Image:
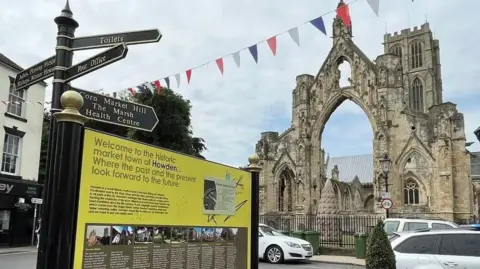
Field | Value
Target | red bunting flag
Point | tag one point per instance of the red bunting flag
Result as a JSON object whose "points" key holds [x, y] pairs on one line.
{"points": [[132, 91], [219, 62], [272, 43], [189, 75], [158, 85], [344, 13]]}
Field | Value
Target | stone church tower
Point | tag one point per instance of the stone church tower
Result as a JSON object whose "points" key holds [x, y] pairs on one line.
{"points": [[401, 94]]}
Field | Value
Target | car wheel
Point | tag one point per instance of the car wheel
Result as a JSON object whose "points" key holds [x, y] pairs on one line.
{"points": [[274, 254]]}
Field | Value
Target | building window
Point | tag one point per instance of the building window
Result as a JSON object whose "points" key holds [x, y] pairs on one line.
{"points": [[15, 101], [411, 193], [416, 54], [397, 50], [416, 95], [11, 154]]}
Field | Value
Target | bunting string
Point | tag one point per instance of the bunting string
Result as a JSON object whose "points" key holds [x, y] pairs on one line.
{"points": [[342, 11]]}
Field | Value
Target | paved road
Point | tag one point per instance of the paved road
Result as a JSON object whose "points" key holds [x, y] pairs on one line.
{"points": [[28, 261]]}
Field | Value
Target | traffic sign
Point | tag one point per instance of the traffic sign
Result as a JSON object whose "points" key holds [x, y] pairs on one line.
{"points": [[96, 62], [110, 40], [111, 110], [387, 203], [37, 201], [35, 74]]}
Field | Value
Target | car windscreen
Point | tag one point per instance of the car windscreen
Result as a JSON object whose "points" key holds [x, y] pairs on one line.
{"points": [[270, 231]]}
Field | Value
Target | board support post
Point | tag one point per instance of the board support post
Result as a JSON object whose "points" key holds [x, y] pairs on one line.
{"points": [[60, 249], [254, 168]]}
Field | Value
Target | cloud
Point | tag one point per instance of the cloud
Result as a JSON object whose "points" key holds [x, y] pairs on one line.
{"points": [[231, 111]]}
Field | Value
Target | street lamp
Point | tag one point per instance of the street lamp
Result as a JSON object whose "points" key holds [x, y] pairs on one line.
{"points": [[386, 165]]}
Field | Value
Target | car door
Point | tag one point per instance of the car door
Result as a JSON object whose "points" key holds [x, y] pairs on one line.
{"points": [[261, 245], [416, 251], [460, 251]]}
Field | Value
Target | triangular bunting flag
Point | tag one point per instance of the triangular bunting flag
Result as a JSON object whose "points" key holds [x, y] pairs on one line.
{"points": [[167, 81], [189, 75], [158, 85], [272, 43], [132, 91], [254, 52], [142, 88], [343, 13], [150, 87], [177, 78], [318, 23], [236, 58], [219, 62], [295, 35], [375, 5]]}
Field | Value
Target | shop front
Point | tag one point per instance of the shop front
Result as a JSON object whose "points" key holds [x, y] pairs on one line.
{"points": [[17, 211]]}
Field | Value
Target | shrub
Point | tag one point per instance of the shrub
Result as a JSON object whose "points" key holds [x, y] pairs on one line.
{"points": [[379, 251]]}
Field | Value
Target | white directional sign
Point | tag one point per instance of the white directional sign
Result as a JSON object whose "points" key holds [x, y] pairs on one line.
{"points": [[37, 201]]}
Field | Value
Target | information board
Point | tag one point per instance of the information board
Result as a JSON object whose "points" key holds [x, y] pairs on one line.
{"points": [[145, 207]]}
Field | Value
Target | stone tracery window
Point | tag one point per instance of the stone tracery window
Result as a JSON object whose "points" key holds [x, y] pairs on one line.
{"points": [[411, 192], [346, 200], [416, 95], [285, 191], [397, 50], [416, 55]]}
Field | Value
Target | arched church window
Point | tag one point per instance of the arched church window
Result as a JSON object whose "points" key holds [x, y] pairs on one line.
{"points": [[397, 50], [416, 95], [416, 54], [285, 191], [347, 200], [411, 193]]}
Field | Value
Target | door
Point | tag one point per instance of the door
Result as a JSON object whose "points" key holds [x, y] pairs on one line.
{"points": [[415, 251], [460, 251], [261, 245], [4, 227]]}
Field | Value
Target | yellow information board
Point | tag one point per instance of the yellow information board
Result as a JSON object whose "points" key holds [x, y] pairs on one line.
{"points": [[146, 207]]}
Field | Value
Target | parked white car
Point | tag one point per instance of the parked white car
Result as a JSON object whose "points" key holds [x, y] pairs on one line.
{"points": [[437, 249], [392, 225], [276, 247]]}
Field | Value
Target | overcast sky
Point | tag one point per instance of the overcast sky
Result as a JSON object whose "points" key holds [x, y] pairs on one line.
{"points": [[231, 111]]}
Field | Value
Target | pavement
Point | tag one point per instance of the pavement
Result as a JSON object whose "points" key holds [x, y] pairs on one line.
{"points": [[26, 258]]}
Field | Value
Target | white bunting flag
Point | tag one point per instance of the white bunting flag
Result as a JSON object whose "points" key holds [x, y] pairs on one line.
{"points": [[177, 78], [295, 35], [374, 5], [236, 58]]}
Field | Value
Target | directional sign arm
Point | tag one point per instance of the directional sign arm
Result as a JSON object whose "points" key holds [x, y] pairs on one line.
{"points": [[110, 40], [35, 74], [96, 62], [115, 111]]}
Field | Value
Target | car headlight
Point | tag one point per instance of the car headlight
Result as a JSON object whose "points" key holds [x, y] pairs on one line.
{"points": [[292, 245]]}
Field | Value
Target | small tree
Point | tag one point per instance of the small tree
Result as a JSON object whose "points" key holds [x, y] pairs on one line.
{"points": [[379, 251]]}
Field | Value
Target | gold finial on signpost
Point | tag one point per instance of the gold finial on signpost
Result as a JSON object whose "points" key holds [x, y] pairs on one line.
{"points": [[71, 102], [253, 163]]}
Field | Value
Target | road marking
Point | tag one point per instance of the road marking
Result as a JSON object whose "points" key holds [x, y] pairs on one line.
{"points": [[17, 253]]}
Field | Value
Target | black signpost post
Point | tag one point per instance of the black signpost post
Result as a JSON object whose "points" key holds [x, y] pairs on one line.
{"points": [[110, 110], [254, 169], [57, 236]]}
